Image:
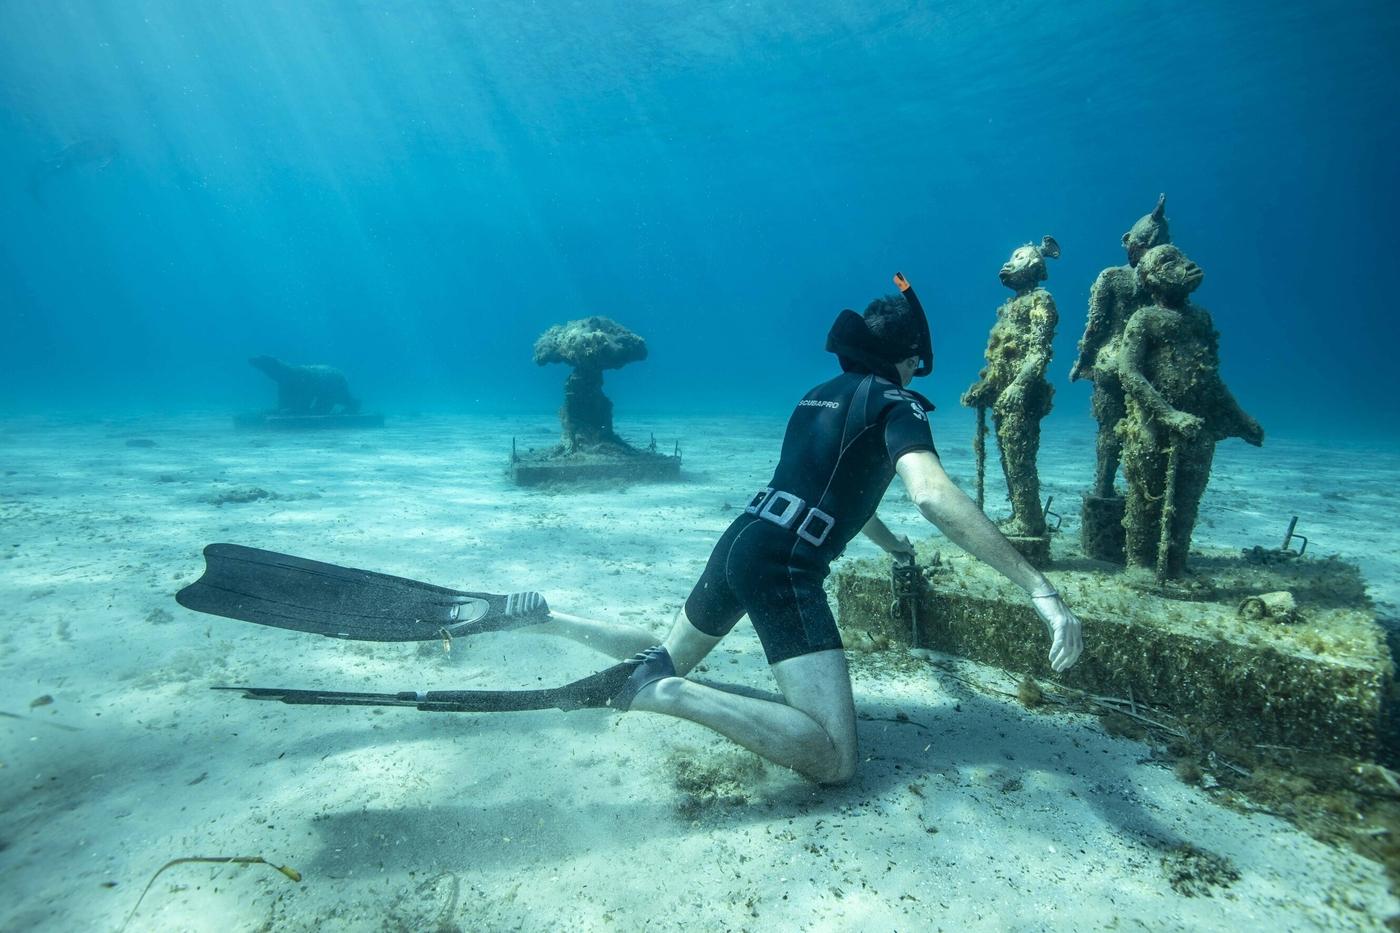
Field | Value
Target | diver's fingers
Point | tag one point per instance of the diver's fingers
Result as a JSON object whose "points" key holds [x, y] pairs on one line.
{"points": [[1073, 645], [1078, 642]]}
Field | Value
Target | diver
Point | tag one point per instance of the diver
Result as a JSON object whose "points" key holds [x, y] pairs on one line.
{"points": [[845, 441]]}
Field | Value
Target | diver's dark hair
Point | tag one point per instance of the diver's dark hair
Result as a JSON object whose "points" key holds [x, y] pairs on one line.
{"points": [[896, 329]]}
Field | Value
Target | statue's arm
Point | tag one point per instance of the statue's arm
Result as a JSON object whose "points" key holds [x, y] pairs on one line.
{"points": [[1142, 329], [1040, 338], [977, 394], [1236, 421], [1096, 328]]}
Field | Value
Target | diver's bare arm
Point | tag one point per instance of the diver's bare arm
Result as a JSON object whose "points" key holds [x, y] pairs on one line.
{"points": [[944, 504], [957, 516], [886, 540]]}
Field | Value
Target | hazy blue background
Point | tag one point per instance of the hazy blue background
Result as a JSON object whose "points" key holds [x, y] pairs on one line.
{"points": [[414, 190]]}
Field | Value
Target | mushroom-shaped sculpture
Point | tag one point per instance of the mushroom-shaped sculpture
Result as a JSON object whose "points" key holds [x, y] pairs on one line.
{"points": [[590, 345]]}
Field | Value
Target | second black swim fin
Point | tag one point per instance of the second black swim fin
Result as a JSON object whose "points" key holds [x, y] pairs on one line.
{"points": [[283, 591], [606, 688]]}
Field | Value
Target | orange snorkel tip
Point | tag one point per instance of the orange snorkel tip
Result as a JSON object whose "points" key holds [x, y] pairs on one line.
{"points": [[926, 343]]}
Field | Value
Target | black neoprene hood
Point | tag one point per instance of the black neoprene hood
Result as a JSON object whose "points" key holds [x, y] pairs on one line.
{"points": [[860, 350]]}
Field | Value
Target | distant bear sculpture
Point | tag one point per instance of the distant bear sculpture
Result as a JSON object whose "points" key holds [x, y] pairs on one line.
{"points": [[1177, 408], [1013, 382], [590, 345], [1115, 295], [307, 390]]}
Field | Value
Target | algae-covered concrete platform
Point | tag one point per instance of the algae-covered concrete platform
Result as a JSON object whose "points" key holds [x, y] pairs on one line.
{"points": [[553, 467], [1319, 682]]}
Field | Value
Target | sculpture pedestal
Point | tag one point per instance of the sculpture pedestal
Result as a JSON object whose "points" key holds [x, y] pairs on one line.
{"points": [[609, 462], [1320, 682], [1036, 550], [1101, 528]]}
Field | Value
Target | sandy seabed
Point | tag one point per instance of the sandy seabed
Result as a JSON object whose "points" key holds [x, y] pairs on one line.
{"points": [[974, 814]]}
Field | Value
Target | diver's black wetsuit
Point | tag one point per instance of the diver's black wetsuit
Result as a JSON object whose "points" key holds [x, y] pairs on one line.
{"points": [[838, 458]]}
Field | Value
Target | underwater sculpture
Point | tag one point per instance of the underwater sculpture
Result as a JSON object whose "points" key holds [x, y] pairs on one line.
{"points": [[1013, 383], [590, 345], [1113, 298], [307, 390], [1115, 295], [1177, 407], [590, 448]]}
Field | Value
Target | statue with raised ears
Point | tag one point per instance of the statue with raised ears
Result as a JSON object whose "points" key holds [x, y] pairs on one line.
{"points": [[1177, 407], [1114, 297], [1014, 387]]}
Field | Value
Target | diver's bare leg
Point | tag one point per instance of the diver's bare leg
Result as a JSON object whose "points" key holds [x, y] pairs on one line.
{"points": [[615, 639], [686, 643], [814, 733]]}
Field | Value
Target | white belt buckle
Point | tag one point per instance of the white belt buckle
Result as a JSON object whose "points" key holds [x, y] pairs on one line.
{"points": [[817, 539], [757, 501], [792, 507]]}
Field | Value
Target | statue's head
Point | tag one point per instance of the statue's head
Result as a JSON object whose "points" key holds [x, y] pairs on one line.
{"points": [[1149, 231], [1026, 267], [1168, 275]]}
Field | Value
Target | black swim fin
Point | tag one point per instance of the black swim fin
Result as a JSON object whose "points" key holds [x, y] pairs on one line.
{"points": [[604, 689], [268, 588]]}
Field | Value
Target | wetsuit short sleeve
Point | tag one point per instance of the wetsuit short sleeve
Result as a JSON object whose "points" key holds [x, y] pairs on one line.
{"points": [[906, 429]]}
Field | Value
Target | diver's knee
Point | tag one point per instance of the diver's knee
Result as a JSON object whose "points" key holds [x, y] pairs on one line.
{"points": [[844, 774], [839, 770], [838, 764]]}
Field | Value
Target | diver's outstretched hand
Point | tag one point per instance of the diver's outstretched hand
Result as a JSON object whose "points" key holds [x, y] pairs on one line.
{"points": [[903, 550], [1066, 639]]}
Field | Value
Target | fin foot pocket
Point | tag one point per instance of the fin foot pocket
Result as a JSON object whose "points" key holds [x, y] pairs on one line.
{"points": [[652, 665], [526, 604]]}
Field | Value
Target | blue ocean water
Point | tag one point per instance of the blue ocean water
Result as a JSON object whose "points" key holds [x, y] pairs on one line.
{"points": [[413, 191]]}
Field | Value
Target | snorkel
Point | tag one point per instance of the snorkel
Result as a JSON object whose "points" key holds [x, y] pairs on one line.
{"points": [[917, 309]]}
